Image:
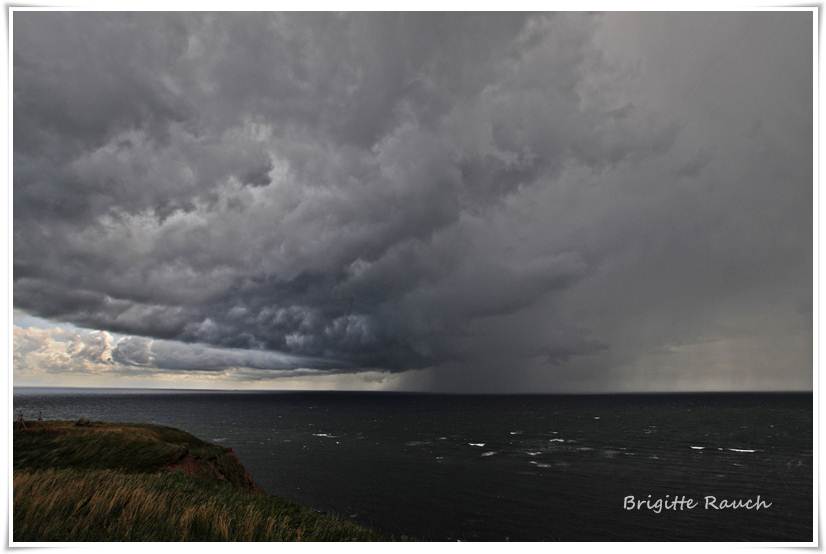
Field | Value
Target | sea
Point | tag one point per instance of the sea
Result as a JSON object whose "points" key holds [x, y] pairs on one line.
{"points": [[502, 467]]}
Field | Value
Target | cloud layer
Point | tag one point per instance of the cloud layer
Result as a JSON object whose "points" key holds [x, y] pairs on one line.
{"points": [[512, 200], [45, 353]]}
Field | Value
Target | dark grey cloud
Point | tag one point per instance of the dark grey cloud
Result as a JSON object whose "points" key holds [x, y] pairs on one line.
{"points": [[174, 356], [520, 199]]}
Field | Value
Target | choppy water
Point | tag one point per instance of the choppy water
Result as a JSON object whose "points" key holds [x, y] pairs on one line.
{"points": [[500, 467]]}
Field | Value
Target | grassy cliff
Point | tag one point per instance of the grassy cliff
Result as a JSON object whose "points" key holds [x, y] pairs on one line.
{"points": [[84, 481]]}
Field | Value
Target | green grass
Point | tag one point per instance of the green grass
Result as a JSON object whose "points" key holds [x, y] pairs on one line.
{"points": [[130, 482], [128, 447]]}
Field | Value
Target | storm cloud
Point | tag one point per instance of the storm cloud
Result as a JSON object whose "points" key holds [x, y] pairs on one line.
{"points": [[509, 201]]}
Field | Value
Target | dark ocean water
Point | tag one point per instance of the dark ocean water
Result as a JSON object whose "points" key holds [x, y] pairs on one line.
{"points": [[500, 467]]}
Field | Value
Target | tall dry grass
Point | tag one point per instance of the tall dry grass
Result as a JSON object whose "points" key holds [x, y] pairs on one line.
{"points": [[102, 505]]}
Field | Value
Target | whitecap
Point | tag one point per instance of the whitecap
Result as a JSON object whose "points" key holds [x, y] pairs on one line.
{"points": [[515, 433], [596, 417], [741, 450], [556, 440], [479, 444], [533, 453], [698, 447], [325, 435], [537, 464], [486, 454]]}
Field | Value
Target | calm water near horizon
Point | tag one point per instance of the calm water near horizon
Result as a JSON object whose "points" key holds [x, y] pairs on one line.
{"points": [[522, 467]]}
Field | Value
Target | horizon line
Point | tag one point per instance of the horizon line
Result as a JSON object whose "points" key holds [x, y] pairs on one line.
{"points": [[441, 393]]}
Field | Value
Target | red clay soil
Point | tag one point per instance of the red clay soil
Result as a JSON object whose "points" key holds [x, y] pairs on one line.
{"points": [[230, 469]]}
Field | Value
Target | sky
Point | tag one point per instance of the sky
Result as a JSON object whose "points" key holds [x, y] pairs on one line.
{"points": [[559, 202]]}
